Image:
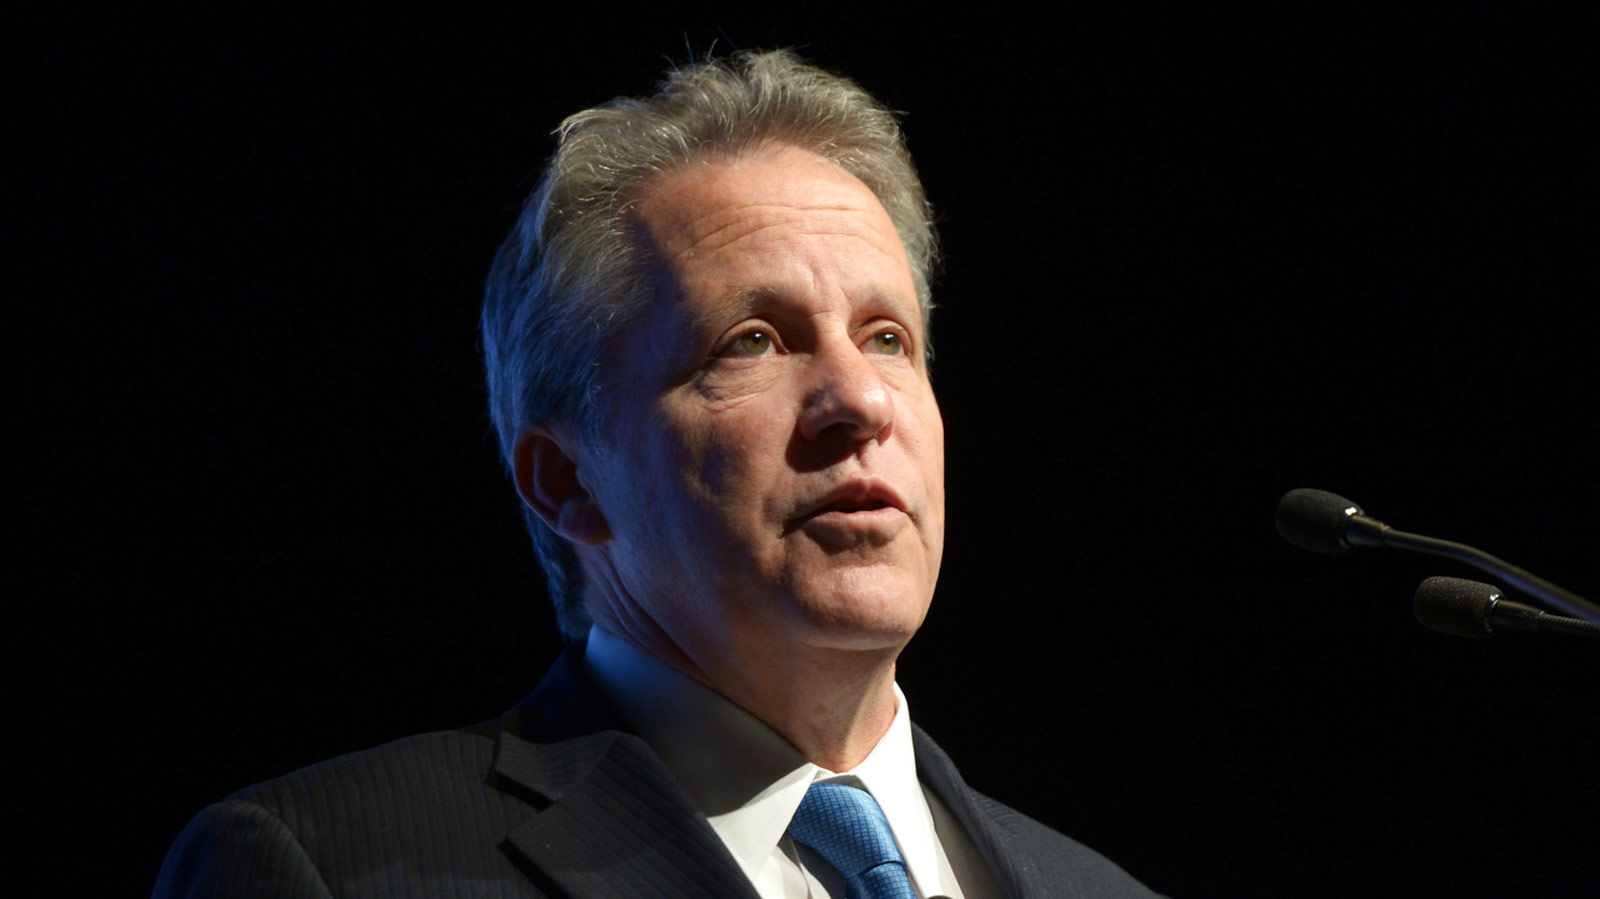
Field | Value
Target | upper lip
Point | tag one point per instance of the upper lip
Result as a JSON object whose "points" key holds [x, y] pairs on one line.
{"points": [[853, 495]]}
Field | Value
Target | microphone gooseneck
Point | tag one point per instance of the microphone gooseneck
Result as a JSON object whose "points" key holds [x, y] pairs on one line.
{"points": [[1328, 523]]}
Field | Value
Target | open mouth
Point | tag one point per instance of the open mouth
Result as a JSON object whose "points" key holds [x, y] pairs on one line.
{"points": [[863, 497], [854, 506]]}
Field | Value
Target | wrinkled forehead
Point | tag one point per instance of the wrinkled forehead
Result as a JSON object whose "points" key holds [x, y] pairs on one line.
{"points": [[732, 236], [703, 205]]}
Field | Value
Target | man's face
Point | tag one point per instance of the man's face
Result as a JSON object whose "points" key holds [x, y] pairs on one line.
{"points": [[773, 475]]}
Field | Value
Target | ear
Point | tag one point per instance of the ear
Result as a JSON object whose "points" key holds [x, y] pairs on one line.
{"points": [[544, 464]]}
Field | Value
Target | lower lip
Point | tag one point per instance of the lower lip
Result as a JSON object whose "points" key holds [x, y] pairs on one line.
{"points": [[866, 523]]}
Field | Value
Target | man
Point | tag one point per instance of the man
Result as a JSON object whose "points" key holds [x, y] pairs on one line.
{"points": [[706, 343]]}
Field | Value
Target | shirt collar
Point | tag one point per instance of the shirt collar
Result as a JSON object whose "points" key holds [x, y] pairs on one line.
{"points": [[745, 777], [889, 773]]}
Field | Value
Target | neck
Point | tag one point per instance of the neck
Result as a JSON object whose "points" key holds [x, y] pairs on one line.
{"points": [[833, 705]]}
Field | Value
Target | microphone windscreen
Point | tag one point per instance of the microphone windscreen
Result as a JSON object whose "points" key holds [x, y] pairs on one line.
{"points": [[1455, 606], [1315, 519]]}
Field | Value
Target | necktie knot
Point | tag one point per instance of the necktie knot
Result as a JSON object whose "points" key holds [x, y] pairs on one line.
{"points": [[846, 827]]}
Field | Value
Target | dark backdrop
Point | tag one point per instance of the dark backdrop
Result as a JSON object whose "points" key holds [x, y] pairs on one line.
{"points": [[1194, 260]]}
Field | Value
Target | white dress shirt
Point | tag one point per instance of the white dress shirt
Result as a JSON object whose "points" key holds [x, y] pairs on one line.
{"points": [[748, 780]]}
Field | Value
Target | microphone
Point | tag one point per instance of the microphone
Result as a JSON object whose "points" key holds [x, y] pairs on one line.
{"points": [[1328, 523], [1465, 608], [1324, 522]]}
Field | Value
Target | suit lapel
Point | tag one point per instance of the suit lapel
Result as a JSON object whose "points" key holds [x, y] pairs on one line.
{"points": [[1019, 877], [613, 821]]}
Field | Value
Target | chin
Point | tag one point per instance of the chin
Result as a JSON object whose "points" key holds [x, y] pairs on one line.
{"points": [[864, 609]]}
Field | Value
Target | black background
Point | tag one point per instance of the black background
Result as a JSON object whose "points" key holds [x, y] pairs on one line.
{"points": [[1194, 260]]}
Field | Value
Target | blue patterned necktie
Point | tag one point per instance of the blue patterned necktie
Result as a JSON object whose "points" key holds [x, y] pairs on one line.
{"points": [[845, 826]]}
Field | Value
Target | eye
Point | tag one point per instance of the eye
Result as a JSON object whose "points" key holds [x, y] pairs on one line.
{"points": [[755, 343], [887, 342]]}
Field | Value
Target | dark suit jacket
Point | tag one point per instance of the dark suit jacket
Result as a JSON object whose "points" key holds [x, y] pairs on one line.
{"points": [[555, 799]]}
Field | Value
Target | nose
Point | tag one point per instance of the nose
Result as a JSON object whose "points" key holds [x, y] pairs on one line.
{"points": [[846, 397]]}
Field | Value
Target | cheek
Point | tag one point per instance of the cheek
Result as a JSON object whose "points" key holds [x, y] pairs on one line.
{"points": [[714, 471], [925, 438], [725, 460], [927, 448]]}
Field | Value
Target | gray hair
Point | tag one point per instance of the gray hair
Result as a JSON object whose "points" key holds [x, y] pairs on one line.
{"points": [[570, 275]]}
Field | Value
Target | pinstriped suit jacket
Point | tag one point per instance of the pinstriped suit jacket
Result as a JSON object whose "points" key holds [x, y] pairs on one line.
{"points": [[554, 799]]}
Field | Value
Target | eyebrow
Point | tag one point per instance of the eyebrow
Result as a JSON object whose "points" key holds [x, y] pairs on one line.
{"points": [[748, 299]]}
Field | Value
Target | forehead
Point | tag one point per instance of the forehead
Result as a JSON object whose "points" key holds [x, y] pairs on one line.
{"points": [[739, 204], [777, 233]]}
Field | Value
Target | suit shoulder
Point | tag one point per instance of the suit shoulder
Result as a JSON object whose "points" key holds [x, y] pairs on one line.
{"points": [[383, 821], [238, 848], [1047, 853], [426, 769]]}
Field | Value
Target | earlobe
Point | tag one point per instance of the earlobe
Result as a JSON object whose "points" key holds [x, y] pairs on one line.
{"points": [[544, 464]]}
